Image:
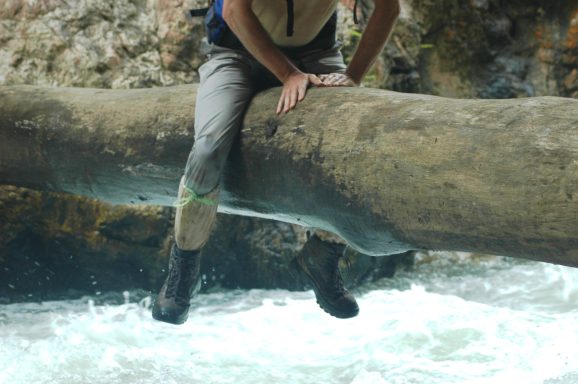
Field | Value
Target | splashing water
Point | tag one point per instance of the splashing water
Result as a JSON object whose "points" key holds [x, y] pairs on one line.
{"points": [[498, 322]]}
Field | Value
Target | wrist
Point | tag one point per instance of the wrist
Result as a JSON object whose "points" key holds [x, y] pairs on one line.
{"points": [[355, 79], [288, 73]]}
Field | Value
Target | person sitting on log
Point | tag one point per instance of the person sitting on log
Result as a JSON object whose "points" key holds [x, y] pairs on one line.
{"points": [[252, 45]]}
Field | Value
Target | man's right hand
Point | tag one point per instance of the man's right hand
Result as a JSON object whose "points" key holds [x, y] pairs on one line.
{"points": [[294, 90], [243, 22]]}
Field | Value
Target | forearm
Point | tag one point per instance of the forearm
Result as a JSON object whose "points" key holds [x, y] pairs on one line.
{"points": [[374, 38], [243, 22]]}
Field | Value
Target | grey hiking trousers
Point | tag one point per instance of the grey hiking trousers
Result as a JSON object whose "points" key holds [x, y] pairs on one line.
{"points": [[229, 79]]}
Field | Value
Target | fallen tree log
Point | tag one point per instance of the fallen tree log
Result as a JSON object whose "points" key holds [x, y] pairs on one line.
{"points": [[386, 171]]}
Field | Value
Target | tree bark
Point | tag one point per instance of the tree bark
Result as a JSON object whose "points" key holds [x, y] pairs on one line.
{"points": [[386, 171]]}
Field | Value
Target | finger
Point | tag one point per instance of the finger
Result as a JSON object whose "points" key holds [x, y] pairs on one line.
{"points": [[301, 94], [333, 75], [332, 80], [342, 81], [286, 103], [315, 80], [293, 98], [325, 80], [280, 103]]}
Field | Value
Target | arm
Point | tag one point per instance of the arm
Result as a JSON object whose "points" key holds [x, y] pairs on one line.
{"points": [[374, 38], [240, 18], [372, 41]]}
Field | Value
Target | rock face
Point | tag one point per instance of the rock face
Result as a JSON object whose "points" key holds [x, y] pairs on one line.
{"points": [[103, 44], [475, 48], [482, 49], [56, 245], [52, 244], [528, 50]]}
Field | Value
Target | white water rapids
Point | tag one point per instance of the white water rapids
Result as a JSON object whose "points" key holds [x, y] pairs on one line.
{"points": [[499, 321]]}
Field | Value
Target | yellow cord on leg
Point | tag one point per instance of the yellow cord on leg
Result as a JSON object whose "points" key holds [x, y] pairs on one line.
{"points": [[192, 196], [194, 217]]}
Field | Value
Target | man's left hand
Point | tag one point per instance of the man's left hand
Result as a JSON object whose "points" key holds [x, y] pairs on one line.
{"points": [[337, 80]]}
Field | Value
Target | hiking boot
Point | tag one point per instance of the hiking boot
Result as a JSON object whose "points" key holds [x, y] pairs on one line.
{"points": [[183, 282], [318, 265]]}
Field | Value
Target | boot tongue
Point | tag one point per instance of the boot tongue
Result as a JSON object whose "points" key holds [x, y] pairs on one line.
{"points": [[181, 273]]}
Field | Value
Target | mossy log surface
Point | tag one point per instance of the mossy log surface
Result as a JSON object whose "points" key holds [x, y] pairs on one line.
{"points": [[386, 171]]}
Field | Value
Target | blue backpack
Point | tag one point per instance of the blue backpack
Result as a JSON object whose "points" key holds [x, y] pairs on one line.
{"points": [[216, 28]]}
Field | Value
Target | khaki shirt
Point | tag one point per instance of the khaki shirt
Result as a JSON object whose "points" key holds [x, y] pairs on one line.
{"points": [[309, 17]]}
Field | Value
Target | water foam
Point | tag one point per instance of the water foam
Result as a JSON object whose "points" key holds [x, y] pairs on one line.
{"points": [[502, 324]]}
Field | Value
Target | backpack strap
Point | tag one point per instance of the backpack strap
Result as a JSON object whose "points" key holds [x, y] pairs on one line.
{"points": [[355, 20], [198, 12]]}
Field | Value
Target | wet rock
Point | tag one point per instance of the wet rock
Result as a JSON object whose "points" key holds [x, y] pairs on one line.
{"points": [[506, 77], [51, 243], [499, 31], [56, 246], [477, 49], [483, 5], [571, 81]]}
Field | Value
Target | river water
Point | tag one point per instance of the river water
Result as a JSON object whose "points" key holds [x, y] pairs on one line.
{"points": [[449, 321]]}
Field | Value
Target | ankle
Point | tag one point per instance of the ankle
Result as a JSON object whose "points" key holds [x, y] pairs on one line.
{"points": [[184, 253]]}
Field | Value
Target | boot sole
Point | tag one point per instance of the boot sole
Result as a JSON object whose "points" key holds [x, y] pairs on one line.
{"points": [[299, 273], [167, 317]]}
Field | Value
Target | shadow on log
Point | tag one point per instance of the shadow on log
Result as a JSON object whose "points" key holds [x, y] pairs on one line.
{"points": [[386, 171]]}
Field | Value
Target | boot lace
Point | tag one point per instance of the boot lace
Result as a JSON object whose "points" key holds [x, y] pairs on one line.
{"points": [[180, 279], [332, 265]]}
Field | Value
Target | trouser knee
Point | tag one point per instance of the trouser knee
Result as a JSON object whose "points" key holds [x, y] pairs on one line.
{"points": [[204, 165]]}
